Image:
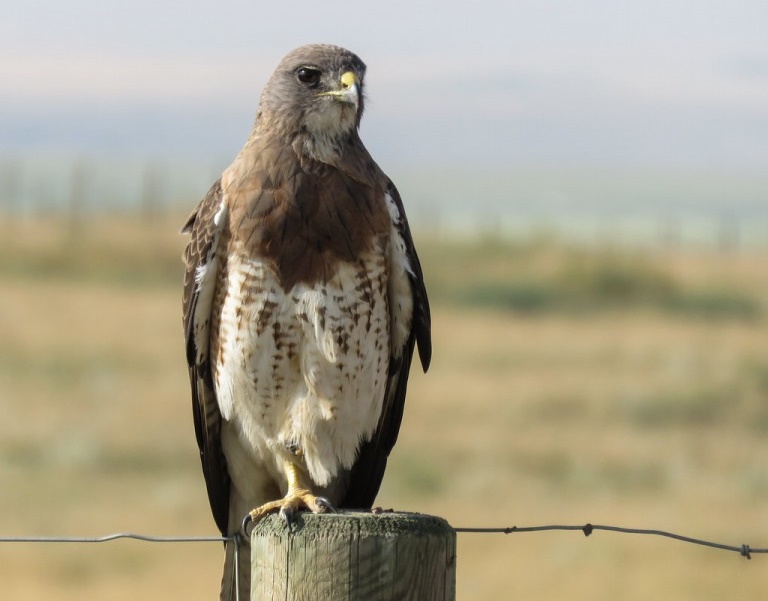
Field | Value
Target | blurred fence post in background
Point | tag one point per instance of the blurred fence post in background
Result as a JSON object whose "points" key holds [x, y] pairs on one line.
{"points": [[354, 556], [729, 234], [10, 188], [78, 197], [670, 234], [153, 192]]}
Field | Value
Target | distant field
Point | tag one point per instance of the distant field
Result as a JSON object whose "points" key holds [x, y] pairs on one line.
{"points": [[569, 385]]}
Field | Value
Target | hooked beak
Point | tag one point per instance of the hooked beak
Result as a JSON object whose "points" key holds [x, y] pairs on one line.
{"points": [[349, 89]]}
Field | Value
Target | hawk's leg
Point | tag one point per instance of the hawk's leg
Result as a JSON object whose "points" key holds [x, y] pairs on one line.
{"points": [[298, 497]]}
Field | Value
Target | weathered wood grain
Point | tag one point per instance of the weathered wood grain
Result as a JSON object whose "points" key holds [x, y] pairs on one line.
{"points": [[354, 556]]}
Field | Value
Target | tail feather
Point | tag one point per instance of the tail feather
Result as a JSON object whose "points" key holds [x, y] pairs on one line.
{"points": [[236, 583]]}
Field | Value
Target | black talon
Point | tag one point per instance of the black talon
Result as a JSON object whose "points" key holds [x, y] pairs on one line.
{"points": [[288, 514], [247, 521], [325, 504]]}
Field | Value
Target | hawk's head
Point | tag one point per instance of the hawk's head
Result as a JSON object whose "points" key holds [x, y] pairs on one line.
{"points": [[314, 99]]}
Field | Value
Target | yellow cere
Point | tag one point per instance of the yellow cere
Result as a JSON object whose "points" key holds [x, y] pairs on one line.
{"points": [[348, 79]]}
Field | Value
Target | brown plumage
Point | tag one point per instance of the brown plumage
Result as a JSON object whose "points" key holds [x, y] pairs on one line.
{"points": [[303, 303]]}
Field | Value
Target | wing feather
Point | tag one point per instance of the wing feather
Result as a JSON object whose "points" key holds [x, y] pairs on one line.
{"points": [[368, 471], [204, 226]]}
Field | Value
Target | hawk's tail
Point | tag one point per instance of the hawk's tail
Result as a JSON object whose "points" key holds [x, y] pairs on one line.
{"points": [[236, 584]]}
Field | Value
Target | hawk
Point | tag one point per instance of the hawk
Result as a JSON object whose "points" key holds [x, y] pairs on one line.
{"points": [[303, 303]]}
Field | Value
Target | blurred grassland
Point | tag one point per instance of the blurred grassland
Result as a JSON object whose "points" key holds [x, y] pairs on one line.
{"points": [[569, 384]]}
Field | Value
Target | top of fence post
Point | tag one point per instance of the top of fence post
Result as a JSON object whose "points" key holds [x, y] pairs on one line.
{"points": [[354, 556]]}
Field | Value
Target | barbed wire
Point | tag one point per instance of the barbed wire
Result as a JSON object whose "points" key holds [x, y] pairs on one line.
{"points": [[117, 535], [587, 529]]}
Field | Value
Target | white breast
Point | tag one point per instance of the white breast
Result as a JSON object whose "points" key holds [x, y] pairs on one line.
{"points": [[306, 367]]}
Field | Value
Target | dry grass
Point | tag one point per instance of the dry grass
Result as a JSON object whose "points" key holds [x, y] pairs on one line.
{"points": [[630, 415]]}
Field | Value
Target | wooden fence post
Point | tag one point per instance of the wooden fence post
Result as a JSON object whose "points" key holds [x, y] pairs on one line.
{"points": [[354, 556]]}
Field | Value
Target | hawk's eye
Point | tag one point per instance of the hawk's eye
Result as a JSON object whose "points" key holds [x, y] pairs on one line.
{"points": [[308, 76]]}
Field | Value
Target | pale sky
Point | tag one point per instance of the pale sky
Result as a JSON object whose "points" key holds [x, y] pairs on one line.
{"points": [[594, 82]]}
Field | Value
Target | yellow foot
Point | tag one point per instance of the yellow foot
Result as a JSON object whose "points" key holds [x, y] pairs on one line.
{"points": [[299, 497], [292, 503]]}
